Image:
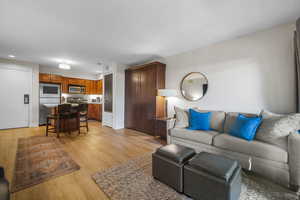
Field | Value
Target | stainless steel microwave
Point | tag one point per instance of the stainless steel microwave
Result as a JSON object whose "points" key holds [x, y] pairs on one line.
{"points": [[76, 89], [49, 90]]}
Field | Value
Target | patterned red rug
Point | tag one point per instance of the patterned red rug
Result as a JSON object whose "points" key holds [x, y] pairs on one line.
{"points": [[39, 159]]}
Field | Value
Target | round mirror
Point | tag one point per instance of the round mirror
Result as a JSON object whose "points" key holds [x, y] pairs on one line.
{"points": [[194, 86]]}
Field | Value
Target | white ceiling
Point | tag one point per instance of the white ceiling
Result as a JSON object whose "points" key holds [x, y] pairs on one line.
{"points": [[128, 31]]}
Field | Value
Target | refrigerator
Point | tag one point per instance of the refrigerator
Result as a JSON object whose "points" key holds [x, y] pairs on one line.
{"points": [[50, 96]]}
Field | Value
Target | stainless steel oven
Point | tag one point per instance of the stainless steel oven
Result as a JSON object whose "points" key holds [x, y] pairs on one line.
{"points": [[49, 90], [76, 89]]}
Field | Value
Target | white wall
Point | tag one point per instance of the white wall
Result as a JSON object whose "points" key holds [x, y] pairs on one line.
{"points": [[244, 74], [34, 96], [115, 119], [119, 96]]}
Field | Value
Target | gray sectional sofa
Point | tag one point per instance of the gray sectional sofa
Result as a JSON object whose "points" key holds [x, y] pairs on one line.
{"points": [[279, 163]]}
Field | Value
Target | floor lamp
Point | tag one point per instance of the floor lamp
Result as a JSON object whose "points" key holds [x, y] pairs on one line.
{"points": [[166, 93]]}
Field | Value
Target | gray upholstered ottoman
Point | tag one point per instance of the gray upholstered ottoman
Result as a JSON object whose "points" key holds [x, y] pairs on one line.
{"points": [[212, 177], [168, 162]]}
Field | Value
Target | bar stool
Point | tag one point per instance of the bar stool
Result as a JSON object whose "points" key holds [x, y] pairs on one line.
{"points": [[83, 116], [63, 113]]}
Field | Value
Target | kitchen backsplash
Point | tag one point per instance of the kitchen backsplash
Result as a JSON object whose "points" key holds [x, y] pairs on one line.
{"points": [[88, 98]]}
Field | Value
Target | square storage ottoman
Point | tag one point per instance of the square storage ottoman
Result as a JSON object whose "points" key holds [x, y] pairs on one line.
{"points": [[212, 177], [168, 162]]}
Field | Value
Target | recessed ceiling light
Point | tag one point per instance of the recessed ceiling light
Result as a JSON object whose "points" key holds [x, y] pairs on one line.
{"points": [[11, 56], [65, 61], [64, 66]]}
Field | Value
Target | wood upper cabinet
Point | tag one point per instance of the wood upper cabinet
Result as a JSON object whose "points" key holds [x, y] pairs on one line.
{"points": [[91, 86], [73, 81], [87, 84], [45, 77], [99, 87], [56, 78], [65, 85], [50, 78], [81, 82]]}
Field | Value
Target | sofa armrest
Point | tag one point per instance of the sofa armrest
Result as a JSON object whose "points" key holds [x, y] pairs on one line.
{"points": [[170, 125], [294, 158]]}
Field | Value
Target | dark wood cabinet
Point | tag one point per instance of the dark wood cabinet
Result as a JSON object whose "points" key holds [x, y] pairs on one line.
{"points": [[161, 128], [95, 112], [142, 106]]}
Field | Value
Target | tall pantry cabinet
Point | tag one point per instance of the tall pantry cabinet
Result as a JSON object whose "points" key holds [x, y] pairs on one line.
{"points": [[142, 106]]}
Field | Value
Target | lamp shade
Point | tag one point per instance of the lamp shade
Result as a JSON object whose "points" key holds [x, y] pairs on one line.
{"points": [[166, 93]]}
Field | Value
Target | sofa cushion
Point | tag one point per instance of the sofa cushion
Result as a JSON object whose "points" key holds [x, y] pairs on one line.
{"points": [[205, 137], [245, 127], [294, 158], [253, 148], [182, 117], [231, 118], [217, 119], [276, 128], [199, 120]]}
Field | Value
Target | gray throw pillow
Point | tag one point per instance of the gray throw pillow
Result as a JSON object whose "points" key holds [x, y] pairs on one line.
{"points": [[265, 114], [275, 128], [231, 118], [217, 119], [182, 118]]}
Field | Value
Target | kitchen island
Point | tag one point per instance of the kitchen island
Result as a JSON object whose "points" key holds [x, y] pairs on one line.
{"points": [[65, 125], [94, 113]]}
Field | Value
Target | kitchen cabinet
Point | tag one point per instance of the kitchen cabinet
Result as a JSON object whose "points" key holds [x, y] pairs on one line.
{"points": [[73, 81], [45, 77], [50, 78], [95, 88], [95, 111], [87, 84], [92, 86], [99, 87], [64, 85], [55, 78]]}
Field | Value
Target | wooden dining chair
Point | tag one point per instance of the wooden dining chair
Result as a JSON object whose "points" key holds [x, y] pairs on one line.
{"points": [[63, 113], [83, 116]]}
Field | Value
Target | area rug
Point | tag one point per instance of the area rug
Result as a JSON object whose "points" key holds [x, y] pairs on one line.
{"points": [[133, 180], [39, 159]]}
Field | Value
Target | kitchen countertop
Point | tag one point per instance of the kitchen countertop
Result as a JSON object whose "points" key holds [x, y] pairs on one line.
{"points": [[94, 103], [55, 105], [50, 105], [73, 104]]}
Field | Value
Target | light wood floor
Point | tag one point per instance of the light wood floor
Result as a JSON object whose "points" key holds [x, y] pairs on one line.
{"points": [[101, 148]]}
